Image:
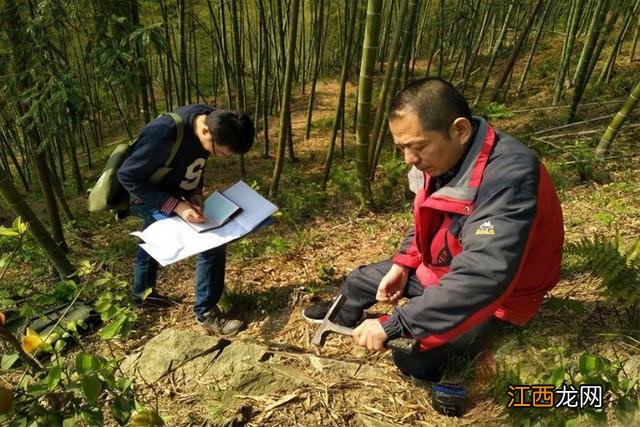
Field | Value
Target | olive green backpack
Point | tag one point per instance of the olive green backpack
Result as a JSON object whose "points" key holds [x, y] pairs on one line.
{"points": [[108, 193]]}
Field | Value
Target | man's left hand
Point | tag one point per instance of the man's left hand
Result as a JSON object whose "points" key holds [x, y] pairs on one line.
{"points": [[370, 334]]}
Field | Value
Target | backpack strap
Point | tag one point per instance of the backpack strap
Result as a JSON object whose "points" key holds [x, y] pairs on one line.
{"points": [[179, 135], [162, 171]]}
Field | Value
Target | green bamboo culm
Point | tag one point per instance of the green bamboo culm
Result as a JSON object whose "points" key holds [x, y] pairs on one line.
{"points": [[365, 84], [20, 208], [617, 121], [286, 99], [341, 96], [565, 60], [581, 75], [384, 91]]}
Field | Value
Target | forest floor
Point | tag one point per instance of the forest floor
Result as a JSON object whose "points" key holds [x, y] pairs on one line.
{"points": [[319, 237]]}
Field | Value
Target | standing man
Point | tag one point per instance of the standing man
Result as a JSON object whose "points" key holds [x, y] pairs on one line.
{"points": [[205, 131], [486, 243]]}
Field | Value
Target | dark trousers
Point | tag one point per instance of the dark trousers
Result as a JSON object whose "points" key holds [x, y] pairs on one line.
{"points": [[360, 289]]}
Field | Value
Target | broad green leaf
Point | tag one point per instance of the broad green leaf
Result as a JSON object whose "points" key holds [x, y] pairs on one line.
{"points": [[91, 387], [72, 326], [53, 377], [557, 376], [113, 328], [590, 364], [103, 303], [93, 416], [59, 345], [7, 361], [122, 407], [8, 232], [19, 225], [70, 422], [86, 363]]}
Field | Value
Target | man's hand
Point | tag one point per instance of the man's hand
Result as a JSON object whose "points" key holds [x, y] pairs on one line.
{"points": [[197, 201], [370, 334], [189, 212], [392, 285]]}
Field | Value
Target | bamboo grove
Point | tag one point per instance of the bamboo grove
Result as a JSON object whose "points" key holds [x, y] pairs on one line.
{"points": [[74, 74]]}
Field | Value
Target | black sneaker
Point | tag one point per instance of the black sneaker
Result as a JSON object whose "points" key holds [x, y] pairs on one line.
{"points": [[155, 300], [316, 312], [215, 323]]}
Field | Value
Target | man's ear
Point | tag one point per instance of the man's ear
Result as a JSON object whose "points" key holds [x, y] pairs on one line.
{"points": [[462, 129]]}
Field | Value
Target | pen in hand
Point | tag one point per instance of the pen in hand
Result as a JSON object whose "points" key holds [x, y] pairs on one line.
{"points": [[189, 216]]}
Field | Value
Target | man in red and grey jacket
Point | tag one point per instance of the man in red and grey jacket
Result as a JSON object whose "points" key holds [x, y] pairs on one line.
{"points": [[486, 243]]}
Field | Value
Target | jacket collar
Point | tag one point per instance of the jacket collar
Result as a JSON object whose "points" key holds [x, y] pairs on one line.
{"points": [[463, 186]]}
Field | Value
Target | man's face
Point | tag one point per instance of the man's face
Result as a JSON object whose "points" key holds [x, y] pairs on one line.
{"points": [[210, 145], [429, 150]]}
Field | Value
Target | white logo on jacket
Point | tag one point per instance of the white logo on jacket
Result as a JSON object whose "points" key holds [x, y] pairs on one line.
{"points": [[193, 174], [486, 228]]}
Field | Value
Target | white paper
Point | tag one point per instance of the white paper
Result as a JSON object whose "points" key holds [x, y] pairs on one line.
{"points": [[170, 240]]}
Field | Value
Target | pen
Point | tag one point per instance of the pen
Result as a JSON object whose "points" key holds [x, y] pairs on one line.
{"points": [[198, 209]]}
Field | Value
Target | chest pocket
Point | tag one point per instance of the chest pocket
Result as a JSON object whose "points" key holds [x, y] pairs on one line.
{"points": [[193, 174]]}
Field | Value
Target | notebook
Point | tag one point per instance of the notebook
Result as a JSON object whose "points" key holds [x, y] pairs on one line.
{"points": [[219, 210]]}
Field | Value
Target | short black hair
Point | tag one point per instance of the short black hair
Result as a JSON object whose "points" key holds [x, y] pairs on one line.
{"points": [[435, 101], [232, 129]]}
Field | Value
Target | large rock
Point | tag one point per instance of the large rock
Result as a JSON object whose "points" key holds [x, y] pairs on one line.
{"points": [[169, 350], [347, 369], [245, 368]]}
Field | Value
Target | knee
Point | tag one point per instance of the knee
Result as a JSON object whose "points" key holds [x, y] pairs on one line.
{"points": [[353, 280], [425, 366], [215, 253]]}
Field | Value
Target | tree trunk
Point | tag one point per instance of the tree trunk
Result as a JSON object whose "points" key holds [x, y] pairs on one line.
{"points": [[20, 208], [339, 116], [285, 118], [365, 85], [182, 67], [583, 63], [384, 91], [318, 45], [494, 54], [515, 51], [617, 122], [543, 21]]}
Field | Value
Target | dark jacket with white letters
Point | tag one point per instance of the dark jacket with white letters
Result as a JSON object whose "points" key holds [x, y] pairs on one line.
{"points": [[151, 151], [486, 243]]}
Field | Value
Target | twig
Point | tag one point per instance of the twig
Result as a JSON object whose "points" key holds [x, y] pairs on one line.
{"points": [[556, 146], [621, 156], [555, 107], [587, 132], [13, 254], [608, 116]]}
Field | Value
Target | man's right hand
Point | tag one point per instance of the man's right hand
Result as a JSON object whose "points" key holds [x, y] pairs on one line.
{"points": [[189, 212], [391, 287]]}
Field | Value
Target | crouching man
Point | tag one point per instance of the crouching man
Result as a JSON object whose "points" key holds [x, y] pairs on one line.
{"points": [[486, 242]]}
